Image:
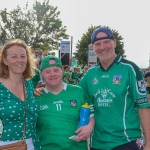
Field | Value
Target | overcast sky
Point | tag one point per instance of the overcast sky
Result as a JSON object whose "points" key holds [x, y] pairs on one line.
{"points": [[129, 17]]}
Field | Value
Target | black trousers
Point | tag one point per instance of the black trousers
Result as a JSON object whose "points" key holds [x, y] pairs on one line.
{"points": [[129, 146]]}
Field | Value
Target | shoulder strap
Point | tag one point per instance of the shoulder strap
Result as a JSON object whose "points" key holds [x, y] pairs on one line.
{"points": [[24, 129]]}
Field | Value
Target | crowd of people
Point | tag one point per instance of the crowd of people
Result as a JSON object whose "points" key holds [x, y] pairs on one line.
{"points": [[73, 76], [44, 98]]}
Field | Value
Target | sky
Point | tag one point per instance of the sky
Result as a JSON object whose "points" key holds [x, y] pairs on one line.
{"points": [[129, 17]]}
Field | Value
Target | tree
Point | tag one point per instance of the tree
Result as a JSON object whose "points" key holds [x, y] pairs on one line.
{"points": [[38, 27], [81, 53]]}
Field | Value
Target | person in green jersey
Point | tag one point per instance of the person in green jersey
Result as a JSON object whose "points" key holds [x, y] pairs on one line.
{"points": [[66, 77], [85, 69], [37, 79], [147, 81], [116, 90], [60, 105], [74, 76], [16, 95]]}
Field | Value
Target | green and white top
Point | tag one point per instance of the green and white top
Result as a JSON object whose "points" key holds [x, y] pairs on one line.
{"points": [[37, 77], [115, 94], [58, 119], [12, 115]]}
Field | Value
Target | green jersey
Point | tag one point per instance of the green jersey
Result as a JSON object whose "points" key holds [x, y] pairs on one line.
{"points": [[37, 77], [74, 76], [58, 118], [116, 94]]}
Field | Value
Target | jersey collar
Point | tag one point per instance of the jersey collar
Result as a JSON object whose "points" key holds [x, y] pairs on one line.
{"points": [[117, 60], [65, 88]]}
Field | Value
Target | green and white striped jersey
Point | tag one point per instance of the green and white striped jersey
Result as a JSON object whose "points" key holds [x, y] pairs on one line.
{"points": [[115, 94]]}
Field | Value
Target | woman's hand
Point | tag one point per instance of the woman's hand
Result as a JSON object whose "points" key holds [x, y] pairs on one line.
{"points": [[38, 91]]}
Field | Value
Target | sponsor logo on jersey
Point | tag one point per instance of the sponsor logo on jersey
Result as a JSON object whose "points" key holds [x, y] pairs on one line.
{"points": [[105, 76], [142, 100], [104, 97], [117, 79], [95, 81], [43, 107], [73, 103], [141, 86]]}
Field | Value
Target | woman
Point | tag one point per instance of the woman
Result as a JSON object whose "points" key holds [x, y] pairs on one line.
{"points": [[16, 95]]}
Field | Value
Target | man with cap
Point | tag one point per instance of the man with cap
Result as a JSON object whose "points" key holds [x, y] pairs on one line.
{"points": [[60, 105], [116, 91]]}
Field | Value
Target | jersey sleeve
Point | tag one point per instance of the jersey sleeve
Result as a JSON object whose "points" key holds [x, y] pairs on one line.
{"points": [[138, 88], [83, 84]]}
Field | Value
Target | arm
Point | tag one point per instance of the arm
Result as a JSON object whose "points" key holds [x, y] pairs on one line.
{"points": [[85, 131], [144, 114], [38, 91]]}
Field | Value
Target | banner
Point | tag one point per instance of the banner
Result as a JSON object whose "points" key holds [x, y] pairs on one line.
{"points": [[92, 58], [65, 47]]}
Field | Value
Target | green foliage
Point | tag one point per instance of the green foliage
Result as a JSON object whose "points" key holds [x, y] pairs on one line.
{"points": [[38, 27], [81, 53]]}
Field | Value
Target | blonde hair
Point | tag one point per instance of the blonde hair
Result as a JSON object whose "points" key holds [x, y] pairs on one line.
{"points": [[4, 72]]}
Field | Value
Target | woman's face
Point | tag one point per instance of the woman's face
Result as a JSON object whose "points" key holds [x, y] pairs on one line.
{"points": [[16, 59]]}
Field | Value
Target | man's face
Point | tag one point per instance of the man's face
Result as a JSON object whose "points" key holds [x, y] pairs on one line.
{"points": [[52, 75], [104, 49]]}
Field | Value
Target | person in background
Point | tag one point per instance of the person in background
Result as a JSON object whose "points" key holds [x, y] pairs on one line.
{"points": [[40, 56], [16, 95], [66, 74], [37, 79], [60, 105], [45, 53], [116, 91], [85, 69], [74, 76], [36, 57], [66, 68], [78, 70], [66, 77], [147, 80]]}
